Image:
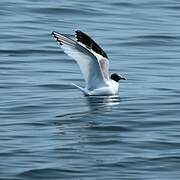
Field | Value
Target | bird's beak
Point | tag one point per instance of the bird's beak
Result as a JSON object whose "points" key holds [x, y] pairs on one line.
{"points": [[122, 78]]}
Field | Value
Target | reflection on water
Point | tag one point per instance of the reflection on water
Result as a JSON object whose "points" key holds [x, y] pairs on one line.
{"points": [[95, 104], [98, 103]]}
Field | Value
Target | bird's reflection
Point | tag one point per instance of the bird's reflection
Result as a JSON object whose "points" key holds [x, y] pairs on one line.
{"points": [[101, 103], [96, 105]]}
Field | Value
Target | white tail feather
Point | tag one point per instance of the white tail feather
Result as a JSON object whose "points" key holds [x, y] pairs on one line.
{"points": [[81, 89]]}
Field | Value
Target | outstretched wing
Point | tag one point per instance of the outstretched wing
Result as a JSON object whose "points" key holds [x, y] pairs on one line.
{"points": [[96, 50], [88, 63]]}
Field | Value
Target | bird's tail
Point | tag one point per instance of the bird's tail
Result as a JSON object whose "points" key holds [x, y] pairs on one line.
{"points": [[81, 89]]}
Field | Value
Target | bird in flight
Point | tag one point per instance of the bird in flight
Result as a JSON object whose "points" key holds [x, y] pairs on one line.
{"points": [[93, 63]]}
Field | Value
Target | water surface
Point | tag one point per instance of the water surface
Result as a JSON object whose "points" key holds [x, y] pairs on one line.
{"points": [[49, 130]]}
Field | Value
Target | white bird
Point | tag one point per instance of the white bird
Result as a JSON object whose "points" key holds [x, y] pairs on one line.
{"points": [[93, 63]]}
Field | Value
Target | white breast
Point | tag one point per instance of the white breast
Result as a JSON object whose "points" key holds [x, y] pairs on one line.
{"points": [[110, 89]]}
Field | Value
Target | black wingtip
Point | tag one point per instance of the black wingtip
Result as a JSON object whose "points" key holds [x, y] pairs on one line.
{"points": [[79, 32], [54, 33], [56, 38]]}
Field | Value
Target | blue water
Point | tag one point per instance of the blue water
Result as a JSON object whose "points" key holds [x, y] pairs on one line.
{"points": [[49, 130]]}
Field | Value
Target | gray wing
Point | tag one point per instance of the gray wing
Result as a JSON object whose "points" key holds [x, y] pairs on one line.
{"points": [[87, 61], [104, 63]]}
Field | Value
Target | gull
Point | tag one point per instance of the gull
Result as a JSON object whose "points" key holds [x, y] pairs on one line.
{"points": [[93, 63]]}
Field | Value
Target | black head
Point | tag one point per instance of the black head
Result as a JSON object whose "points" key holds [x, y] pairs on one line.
{"points": [[117, 77]]}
